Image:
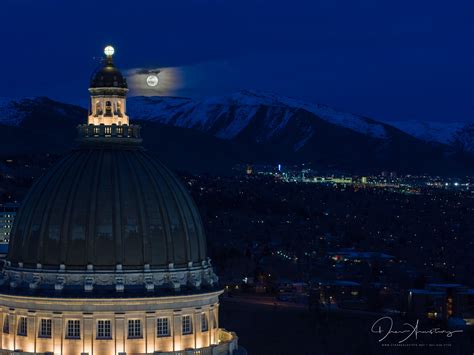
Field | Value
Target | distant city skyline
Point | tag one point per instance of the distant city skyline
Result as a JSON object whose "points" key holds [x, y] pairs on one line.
{"points": [[389, 61]]}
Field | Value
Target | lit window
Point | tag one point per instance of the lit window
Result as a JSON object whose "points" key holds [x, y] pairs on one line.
{"points": [[187, 325], [134, 328], [204, 323], [162, 327], [6, 324], [73, 330], [45, 328], [104, 329], [22, 326]]}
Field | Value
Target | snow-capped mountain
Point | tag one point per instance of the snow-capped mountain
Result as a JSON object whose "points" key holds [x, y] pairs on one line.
{"points": [[463, 139], [456, 134], [245, 127], [36, 125], [14, 111], [429, 131], [228, 116]]}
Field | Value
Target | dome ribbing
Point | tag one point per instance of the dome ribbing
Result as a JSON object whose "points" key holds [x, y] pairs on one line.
{"points": [[107, 206]]}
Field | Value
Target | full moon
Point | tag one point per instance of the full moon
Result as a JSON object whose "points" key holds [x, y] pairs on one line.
{"points": [[152, 80]]}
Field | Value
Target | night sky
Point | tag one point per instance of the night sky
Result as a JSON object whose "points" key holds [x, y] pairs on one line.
{"points": [[390, 60]]}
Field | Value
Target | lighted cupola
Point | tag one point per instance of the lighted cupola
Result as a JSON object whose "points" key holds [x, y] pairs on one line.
{"points": [[108, 90], [108, 121]]}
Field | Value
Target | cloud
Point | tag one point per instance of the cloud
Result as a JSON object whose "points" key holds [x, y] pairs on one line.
{"points": [[170, 81], [196, 80]]}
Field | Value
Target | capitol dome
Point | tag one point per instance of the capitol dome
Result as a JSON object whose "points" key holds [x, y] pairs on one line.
{"points": [[108, 253], [108, 215], [105, 207]]}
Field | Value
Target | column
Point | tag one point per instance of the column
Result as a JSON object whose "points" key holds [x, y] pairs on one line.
{"points": [[12, 317], [150, 332], [6, 339], [31, 331], [119, 332], [177, 329], [212, 322], [216, 323], [88, 332], [197, 328], [2, 316], [209, 326], [57, 333]]}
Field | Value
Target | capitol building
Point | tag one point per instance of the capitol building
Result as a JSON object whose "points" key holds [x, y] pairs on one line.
{"points": [[107, 254]]}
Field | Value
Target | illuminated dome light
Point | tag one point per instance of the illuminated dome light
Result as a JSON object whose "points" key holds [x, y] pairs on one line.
{"points": [[109, 51], [152, 80]]}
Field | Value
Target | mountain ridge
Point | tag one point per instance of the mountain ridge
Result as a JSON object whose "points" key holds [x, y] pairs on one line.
{"points": [[244, 127], [459, 135], [150, 108]]}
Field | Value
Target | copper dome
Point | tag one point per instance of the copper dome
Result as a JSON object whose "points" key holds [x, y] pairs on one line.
{"points": [[104, 206], [108, 76]]}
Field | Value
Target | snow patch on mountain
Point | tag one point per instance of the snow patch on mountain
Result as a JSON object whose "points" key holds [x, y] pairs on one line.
{"points": [[441, 132], [11, 113], [14, 111], [463, 139], [242, 106]]}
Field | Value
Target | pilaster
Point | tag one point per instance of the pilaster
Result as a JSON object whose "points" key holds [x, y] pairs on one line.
{"points": [[150, 333], [119, 332], [57, 333], [177, 329], [88, 332]]}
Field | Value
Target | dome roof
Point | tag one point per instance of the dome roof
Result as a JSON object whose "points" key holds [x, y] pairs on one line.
{"points": [[108, 76], [107, 216], [106, 206]]}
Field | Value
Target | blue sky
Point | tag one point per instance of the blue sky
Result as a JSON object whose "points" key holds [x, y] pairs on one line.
{"points": [[390, 60]]}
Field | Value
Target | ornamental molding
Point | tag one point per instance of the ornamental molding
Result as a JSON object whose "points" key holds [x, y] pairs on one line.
{"points": [[168, 278]]}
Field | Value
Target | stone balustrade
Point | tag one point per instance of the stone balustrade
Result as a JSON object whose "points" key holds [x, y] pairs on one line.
{"points": [[103, 131], [227, 345]]}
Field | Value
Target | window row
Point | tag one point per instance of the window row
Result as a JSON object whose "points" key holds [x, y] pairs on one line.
{"points": [[44, 330], [104, 327]]}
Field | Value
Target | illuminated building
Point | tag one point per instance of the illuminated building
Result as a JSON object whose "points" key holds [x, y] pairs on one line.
{"points": [[249, 170], [108, 253], [108, 90], [442, 301], [7, 217]]}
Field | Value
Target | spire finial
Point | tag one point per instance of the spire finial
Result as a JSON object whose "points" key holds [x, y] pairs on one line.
{"points": [[109, 51]]}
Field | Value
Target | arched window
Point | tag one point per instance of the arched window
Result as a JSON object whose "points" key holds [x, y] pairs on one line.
{"points": [[204, 322], [108, 108], [98, 108], [6, 324]]}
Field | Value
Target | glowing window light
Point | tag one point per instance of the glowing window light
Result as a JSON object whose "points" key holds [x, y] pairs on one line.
{"points": [[187, 327]]}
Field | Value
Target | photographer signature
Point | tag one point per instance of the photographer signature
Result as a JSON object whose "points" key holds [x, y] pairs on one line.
{"points": [[384, 327]]}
